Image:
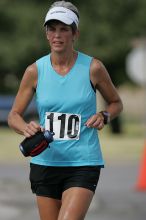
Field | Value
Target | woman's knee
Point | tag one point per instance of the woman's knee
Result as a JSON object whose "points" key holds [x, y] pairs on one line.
{"points": [[68, 216]]}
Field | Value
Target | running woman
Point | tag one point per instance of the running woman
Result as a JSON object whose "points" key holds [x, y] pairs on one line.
{"points": [[64, 177]]}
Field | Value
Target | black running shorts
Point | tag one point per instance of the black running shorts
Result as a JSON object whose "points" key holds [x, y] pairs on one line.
{"points": [[53, 181]]}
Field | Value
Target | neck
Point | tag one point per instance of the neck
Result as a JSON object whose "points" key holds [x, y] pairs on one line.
{"points": [[64, 59], [63, 62]]}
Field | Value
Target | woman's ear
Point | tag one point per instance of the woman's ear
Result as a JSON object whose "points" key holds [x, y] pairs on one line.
{"points": [[47, 33], [76, 35]]}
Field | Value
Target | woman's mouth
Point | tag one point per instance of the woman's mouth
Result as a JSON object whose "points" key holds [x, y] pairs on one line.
{"points": [[57, 43]]}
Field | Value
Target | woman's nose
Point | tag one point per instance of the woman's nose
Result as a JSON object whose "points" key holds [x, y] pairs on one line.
{"points": [[57, 33]]}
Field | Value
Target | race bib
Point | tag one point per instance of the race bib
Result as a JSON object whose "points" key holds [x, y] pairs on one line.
{"points": [[65, 126]]}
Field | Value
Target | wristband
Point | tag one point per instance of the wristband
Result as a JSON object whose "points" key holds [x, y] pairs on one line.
{"points": [[106, 116]]}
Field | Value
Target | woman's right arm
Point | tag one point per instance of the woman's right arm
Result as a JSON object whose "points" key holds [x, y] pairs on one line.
{"points": [[23, 98]]}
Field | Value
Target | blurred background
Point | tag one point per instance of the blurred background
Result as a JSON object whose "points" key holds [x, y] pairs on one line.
{"points": [[114, 32]]}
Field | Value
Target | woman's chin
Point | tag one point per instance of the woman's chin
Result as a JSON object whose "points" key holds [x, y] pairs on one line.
{"points": [[58, 49]]}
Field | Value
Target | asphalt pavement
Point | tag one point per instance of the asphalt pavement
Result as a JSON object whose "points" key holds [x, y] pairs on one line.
{"points": [[115, 199]]}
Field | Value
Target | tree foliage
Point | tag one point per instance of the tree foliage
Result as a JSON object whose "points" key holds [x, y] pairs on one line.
{"points": [[106, 31]]}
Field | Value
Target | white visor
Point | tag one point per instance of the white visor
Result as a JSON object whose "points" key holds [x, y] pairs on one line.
{"points": [[62, 14]]}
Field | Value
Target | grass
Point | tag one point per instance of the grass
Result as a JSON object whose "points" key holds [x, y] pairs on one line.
{"points": [[9, 146], [124, 147]]}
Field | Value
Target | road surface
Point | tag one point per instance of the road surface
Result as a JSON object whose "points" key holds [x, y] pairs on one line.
{"points": [[115, 198]]}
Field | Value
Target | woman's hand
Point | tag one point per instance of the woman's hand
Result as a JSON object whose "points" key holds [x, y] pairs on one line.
{"points": [[96, 121], [32, 128]]}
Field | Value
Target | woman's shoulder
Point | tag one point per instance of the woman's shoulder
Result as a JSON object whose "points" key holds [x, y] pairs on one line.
{"points": [[96, 65], [31, 69], [30, 75], [98, 71]]}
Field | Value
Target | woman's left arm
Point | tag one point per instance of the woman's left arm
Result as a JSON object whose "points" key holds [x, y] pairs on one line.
{"points": [[102, 82]]}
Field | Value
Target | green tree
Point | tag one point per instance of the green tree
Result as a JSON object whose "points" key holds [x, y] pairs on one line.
{"points": [[107, 29]]}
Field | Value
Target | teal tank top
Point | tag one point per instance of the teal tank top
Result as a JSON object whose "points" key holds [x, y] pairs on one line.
{"points": [[64, 104]]}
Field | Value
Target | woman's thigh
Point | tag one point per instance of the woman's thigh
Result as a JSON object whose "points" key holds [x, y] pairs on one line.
{"points": [[75, 203], [48, 208]]}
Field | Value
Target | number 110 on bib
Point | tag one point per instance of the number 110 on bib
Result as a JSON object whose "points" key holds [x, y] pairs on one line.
{"points": [[65, 126]]}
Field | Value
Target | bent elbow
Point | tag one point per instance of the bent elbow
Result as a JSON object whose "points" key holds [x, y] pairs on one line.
{"points": [[9, 119], [121, 106]]}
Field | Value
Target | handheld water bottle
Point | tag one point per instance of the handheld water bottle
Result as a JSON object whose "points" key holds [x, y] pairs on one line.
{"points": [[34, 145]]}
